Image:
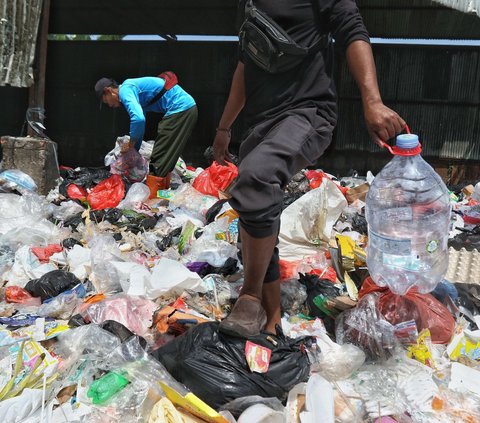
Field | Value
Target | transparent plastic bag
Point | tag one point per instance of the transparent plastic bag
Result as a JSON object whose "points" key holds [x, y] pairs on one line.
{"points": [[192, 201], [135, 313], [103, 250], [67, 209], [138, 193], [146, 149], [365, 327], [293, 296], [131, 165]]}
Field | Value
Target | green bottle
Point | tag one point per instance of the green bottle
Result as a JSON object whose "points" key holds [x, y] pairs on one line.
{"points": [[106, 387]]}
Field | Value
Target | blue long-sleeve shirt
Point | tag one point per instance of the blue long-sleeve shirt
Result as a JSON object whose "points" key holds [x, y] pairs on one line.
{"points": [[136, 93]]}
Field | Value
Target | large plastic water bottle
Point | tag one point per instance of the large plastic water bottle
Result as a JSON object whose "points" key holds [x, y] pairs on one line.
{"points": [[408, 214]]}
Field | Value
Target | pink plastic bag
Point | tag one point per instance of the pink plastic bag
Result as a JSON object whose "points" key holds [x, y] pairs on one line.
{"points": [[135, 313]]}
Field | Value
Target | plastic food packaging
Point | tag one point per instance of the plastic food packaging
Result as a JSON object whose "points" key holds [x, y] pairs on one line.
{"points": [[408, 214]]}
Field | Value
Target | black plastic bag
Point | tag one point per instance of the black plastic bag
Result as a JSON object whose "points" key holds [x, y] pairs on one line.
{"points": [[213, 365], [73, 221], [323, 288], [52, 284], [214, 210], [70, 243], [168, 239], [468, 239]]}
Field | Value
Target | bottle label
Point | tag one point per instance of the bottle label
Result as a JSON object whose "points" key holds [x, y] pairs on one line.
{"points": [[410, 262], [395, 246]]}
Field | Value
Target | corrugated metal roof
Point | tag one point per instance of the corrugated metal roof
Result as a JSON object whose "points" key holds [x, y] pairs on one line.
{"points": [[19, 20], [436, 90]]}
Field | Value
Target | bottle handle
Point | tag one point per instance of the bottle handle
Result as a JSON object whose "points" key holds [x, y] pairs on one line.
{"points": [[388, 147]]}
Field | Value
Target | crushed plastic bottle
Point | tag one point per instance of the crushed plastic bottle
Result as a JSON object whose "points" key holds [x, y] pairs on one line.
{"points": [[107, 386], [408, 214]]}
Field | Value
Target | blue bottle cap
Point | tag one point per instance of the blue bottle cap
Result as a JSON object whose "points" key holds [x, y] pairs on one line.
{"points": [[407, 141]]}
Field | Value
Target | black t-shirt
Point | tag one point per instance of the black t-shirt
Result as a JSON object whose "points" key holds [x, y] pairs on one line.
{"points": [[310, 84]]}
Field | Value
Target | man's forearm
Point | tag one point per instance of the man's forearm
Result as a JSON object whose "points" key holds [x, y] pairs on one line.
{"points": [[236, 98], [362, 66]]}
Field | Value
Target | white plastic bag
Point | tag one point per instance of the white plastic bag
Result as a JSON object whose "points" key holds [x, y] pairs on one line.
{"points": [[138, 193], [308, 222]]}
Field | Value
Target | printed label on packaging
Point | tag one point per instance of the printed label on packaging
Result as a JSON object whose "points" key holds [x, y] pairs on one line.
{"points": [[258, 357]]}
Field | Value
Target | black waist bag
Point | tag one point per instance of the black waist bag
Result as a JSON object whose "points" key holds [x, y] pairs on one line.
{"points": [[269, 46]]}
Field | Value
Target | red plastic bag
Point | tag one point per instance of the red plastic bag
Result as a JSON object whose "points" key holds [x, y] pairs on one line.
{"points": [[315, 178], [214, 178], [16, 294], [107, 194], [76, 192], [44, 253], [427, 311], [326, 273]]}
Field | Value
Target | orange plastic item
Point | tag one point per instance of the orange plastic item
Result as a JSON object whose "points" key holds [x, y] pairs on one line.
{"points": [[156, 183], [437, 404], [89, 301], [44, 253]]}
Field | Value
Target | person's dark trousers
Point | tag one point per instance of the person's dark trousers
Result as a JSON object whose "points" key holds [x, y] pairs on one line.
{"points": [[173, 134]]}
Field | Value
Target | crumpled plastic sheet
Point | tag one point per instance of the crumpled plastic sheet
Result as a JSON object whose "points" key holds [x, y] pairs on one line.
{"points": [[309, 221], [399, 385], [16, 409], [91, 351]]}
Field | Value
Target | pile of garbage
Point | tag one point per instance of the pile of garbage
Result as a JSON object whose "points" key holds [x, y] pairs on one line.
{"points": [[110, 304]]}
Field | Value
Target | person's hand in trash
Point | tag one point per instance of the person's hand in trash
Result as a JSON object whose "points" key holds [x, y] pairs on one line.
{"points": [[125, 143], [220, 146]]}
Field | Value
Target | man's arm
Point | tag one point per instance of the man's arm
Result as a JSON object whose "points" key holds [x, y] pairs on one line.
{"points": [[382, 122], [131, 103], [235, 103]]}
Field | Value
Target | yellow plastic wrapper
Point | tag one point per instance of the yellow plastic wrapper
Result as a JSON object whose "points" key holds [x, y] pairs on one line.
{"points": [[422, 350]]}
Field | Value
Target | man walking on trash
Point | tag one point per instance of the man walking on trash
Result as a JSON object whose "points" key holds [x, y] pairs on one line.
{"points": [[149, 94], [291, 116]]}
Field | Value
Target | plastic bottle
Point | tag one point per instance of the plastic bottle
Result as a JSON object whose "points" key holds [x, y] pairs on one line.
{"points": [[107, 386], [408, 214]]}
